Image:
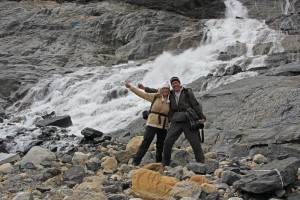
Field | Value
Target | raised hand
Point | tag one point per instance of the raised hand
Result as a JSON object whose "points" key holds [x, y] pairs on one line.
{"points": [[128, 85]]}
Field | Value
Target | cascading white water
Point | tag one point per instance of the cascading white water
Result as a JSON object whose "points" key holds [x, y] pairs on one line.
{"points": [[96, 97], [288, 7]]}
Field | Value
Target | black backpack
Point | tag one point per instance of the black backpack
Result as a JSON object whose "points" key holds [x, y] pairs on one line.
{"points": [[193, 118]]}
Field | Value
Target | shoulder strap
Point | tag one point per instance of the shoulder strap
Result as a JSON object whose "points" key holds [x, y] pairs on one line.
{"points": [[186, 92], [154, 99], [202, 135]]}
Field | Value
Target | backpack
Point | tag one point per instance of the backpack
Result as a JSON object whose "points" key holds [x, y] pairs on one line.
{"points": [[193, 118]]}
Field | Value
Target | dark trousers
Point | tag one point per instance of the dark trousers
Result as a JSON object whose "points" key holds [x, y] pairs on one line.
{"points": [[148, 138], [192, 135]]}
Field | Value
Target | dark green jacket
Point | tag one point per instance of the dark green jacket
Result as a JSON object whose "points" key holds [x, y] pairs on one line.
{"points": [[186, 100]]}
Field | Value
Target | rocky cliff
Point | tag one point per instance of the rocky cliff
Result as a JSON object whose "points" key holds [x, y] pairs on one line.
{"points": [[255, 115]]}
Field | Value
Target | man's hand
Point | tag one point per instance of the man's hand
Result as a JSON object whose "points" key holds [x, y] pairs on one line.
{"points": [[141, 86], [127, 84], [202, 121]]}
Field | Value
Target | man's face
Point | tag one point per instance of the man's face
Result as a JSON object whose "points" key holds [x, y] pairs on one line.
{"points": [[176, 86]]}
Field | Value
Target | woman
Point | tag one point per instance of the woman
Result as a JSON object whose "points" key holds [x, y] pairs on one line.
{"points": [[157, 120]]}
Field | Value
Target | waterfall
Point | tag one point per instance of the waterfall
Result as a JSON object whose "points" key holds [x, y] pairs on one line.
{"points": [[96, 97], [289, 7]]}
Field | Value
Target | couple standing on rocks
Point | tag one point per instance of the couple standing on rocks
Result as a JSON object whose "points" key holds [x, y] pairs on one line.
{"points": [[169, 106]]}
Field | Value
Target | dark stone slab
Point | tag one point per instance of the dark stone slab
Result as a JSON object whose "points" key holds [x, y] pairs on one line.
{"points": [[60, 121], [270, 177], [90, 133]]}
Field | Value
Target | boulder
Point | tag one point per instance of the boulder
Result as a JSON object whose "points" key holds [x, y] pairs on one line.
{"points": [[90, 133], [270, 177], [60, 121], [133, 145], [150, 184], [37, 155]]}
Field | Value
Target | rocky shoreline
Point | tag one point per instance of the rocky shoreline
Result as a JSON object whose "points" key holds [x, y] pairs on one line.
{"points": [[100, 169]]}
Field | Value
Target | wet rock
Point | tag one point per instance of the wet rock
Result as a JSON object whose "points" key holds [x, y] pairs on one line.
{"points": [[104, 138], [49, 115], [8, 85], [90, 133], [291, 69], [262, 48], [233, 70], [60, 121]]}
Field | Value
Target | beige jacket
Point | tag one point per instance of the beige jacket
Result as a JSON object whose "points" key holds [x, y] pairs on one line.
{"points": [[159, 106]]}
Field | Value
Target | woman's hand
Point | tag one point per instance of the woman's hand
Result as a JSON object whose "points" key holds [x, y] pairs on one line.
{"points": [[127, 84]]}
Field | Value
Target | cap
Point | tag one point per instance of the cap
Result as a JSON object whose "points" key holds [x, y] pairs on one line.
{"points": [[174, 78], [165, 85]]}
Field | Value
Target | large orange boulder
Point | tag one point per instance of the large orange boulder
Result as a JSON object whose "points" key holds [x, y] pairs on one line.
{"points": [[149, 184]]}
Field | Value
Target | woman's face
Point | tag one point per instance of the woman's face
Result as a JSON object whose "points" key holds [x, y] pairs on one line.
{"points": [[165, 91]]}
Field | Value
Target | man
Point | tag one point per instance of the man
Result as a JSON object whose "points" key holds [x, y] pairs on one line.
{"points": [[181, 99]]}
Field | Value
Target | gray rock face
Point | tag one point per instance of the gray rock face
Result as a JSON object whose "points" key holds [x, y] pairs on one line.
{"points": [[270, 177], [266, 10], [257, 102], [38, 40], [199, 9]]}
